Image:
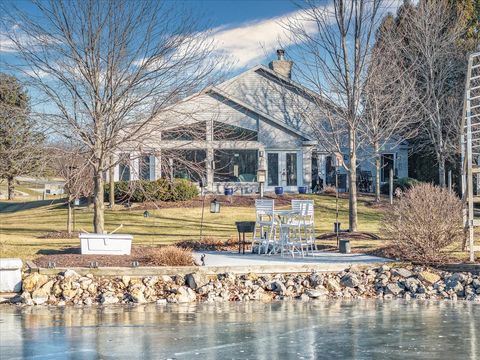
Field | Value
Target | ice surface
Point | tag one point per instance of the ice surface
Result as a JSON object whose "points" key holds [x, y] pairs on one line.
{"points": [[280, 330]]}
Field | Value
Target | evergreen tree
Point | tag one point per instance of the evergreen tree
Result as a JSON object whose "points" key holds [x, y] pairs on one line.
{"points": [[20, 143]]}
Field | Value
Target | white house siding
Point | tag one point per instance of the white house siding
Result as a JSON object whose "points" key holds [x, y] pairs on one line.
{"points": [[254, 101], [282, 102]]}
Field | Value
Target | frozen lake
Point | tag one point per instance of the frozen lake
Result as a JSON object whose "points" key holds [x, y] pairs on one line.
{"points": [[288, 330]]}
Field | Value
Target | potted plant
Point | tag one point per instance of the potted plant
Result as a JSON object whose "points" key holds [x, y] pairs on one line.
{"points": [[302, 189], [279, 190]]}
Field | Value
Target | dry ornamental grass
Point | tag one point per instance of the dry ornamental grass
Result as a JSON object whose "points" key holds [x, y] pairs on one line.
{"points": [[172, 256], [423, 221]]}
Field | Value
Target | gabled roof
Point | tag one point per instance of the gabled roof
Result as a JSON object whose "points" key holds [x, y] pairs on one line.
{"points": [[279, 123], [301, 88]]}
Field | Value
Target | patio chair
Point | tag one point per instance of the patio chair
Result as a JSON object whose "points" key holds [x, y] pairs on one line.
{"points": [[265, 225], [306, 220], [293, 236]]}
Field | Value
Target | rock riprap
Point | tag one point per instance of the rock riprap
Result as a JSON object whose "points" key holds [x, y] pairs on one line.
{"points": [[406, 282]]}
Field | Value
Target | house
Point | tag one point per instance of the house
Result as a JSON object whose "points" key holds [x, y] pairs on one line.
{"points": [[224, 134]]}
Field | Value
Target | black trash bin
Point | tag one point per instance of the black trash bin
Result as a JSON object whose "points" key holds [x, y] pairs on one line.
{"points": [[244, 227]]}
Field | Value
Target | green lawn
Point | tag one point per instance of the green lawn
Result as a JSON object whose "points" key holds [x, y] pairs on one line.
{"points": [[22, 224]]}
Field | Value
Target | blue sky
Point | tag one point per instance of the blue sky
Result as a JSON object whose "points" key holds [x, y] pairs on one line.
{"points": [[247, 31]]}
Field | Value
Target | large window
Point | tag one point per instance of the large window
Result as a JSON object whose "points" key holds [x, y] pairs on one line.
{"points": [[185, 164], [387, 165], [272, 163], [291, 169], [196, 131], [145, 164], [223, 131], [235, 165]]}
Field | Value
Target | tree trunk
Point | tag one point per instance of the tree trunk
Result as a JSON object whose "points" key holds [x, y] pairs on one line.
{"points": [[10, 188], [441, 171], [98, 203], [111, 174], [352, 211], [378, 164], [69, 216]]}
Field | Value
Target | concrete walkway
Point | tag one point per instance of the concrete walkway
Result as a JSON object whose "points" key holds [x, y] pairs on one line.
{"points": [[321, 261]]}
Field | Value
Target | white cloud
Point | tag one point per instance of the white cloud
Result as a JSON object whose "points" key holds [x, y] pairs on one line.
{"points": [[249, 43], [6, 45]]}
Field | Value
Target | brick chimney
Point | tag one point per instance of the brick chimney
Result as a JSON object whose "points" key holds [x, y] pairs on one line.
{"points": [[282, 66]]}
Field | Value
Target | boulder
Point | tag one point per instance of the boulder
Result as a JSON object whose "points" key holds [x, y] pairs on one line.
{"points": [[316, 293], [304, 297], [34, 281], [458, 277], [316, 279], [109, 298], [126, 280], [279, 287], [185, 295], [412, 284], [428, 277], [48, 286], [138, 296], [454, 284], [350, 280], [382, 280], [70, 274], [40, 296], [166, 279], [69, 294], [251, 276], [196, 280], [85, 282], [393, 289], [150, 281], [384, 269], [332, 285], [476, 283], [402, 272], [88, 301]]}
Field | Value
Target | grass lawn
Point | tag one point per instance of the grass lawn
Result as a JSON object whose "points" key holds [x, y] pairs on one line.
{"points": [[23, 223]]}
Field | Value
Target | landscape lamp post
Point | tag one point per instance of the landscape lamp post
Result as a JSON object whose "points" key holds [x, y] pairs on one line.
{"points": [[261, 177]]}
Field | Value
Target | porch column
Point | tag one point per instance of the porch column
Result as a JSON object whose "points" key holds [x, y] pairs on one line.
{"points": [[134, 166], [158, 165], [209, 167], [307, 167]]}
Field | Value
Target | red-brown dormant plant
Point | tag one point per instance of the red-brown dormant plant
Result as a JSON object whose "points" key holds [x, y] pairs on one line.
{"points": [[423, 221]]}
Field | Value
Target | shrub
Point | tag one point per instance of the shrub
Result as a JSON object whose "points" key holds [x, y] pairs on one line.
{"points": [[158, 190], [172, 256], [329, 189], [403, 184], [423, 221]]}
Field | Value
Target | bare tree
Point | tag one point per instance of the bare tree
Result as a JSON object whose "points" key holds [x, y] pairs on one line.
{"points": [[430, 49], [333, 49], [109, 69], [388, 119], [70, 163]]}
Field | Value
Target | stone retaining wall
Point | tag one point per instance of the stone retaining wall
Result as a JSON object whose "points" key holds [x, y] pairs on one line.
{"points": [[408, 282]]}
